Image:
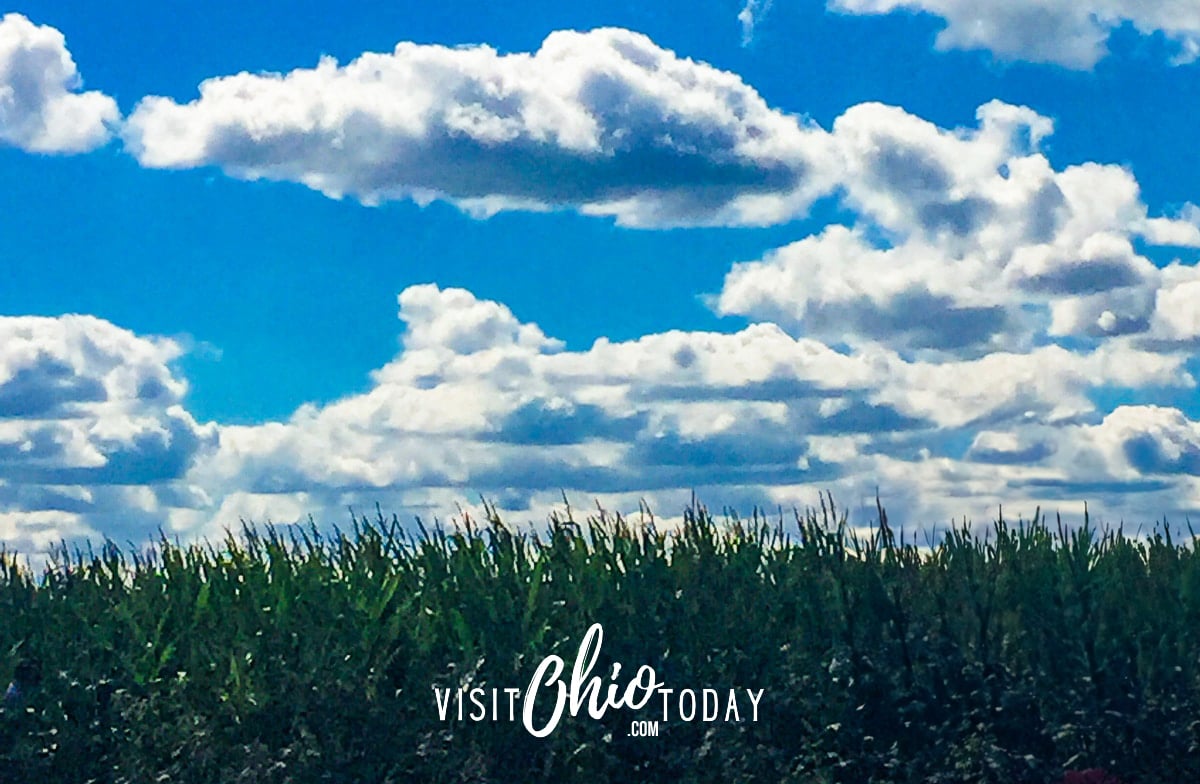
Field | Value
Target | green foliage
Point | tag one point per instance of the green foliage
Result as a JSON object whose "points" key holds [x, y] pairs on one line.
{"points": [[302, 657]]}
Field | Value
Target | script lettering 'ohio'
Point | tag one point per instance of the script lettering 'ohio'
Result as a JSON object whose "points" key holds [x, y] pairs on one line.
{"points": [[585, 687]]}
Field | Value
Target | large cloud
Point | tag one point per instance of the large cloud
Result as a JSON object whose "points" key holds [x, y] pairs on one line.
{"points": [[1073, 33], [91, 428], [40, 108], [510, 408], [757, 415], [94, 440], [968, 241], [604, 121]]}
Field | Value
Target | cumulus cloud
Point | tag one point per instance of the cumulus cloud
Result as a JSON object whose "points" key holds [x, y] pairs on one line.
{"points": [[41, 108], [839, 286], [1175, 311], [967, 241], [758, 414], [512, 409], [91, 421], [1008, 448], [1071, 33], [605, 122], [1148, 440], [608, 123], [94, 439]]}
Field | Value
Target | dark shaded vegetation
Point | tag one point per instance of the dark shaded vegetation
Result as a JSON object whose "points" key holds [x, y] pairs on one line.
{"points": [[288, 656]]}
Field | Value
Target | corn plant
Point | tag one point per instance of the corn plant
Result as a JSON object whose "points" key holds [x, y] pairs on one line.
{"points": [[1029, 653]]}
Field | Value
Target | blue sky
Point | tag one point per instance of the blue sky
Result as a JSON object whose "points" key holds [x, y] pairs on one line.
{"points": [[939, 248]]}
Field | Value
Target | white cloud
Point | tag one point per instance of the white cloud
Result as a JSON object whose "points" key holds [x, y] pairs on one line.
{"points": [[1048, 384], [605, 122], [89, 413], [839, 287], [1072, 33], [908, 175], [34, 533], [751, 16], [93, 439], [456, 321], [1008, 447], [965, 242], [41, 109], [1176, 311], [512, 409], [1147, 440], [1183, 231], [515, 416]]}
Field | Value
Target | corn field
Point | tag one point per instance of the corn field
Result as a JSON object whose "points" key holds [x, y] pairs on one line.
{"points": [[289, 655]]}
